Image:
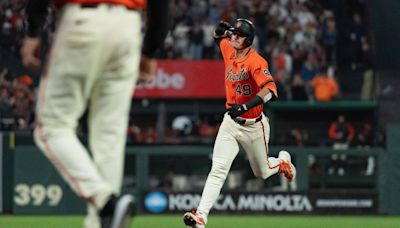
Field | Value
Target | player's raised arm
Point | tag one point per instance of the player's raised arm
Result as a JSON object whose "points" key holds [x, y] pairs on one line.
{"points": [[36, 13], [158, 24]]}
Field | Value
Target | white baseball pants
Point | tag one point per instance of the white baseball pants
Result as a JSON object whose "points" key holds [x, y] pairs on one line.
{"points": [[93, 64], [254, 140]]}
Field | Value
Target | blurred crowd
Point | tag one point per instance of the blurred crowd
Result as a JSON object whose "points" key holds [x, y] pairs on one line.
{"points": [[11, 22], [16, 101], [297, 37]]}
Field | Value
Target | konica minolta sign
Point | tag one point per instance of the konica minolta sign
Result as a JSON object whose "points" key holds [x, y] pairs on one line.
{"points": [[272, 203]]}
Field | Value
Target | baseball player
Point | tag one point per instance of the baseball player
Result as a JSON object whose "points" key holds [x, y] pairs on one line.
{"points": [[93, 64], [248, 85]]}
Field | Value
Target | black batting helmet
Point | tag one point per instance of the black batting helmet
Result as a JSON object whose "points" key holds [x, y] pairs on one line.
{"points": [[245, 28]]}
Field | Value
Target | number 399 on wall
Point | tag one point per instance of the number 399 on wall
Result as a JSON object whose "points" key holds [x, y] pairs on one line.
{"points": [[37, 195]]}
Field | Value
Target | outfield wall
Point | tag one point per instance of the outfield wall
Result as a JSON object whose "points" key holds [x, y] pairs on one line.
{"points": [[32, 186]]}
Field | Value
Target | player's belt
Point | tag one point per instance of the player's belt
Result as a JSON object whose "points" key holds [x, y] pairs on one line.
{"points": [[94, 5], [242, 121]]}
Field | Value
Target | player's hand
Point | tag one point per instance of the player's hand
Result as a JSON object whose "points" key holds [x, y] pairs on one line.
{"points": [[222, 29], [29, 49], [147, 69], [236, 110]]}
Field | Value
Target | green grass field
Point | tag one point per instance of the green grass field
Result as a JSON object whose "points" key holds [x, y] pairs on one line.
{"points": [[172, 221]]}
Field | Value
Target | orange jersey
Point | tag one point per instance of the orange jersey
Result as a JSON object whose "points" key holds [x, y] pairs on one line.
{"points": [[131, 4], [325, 88], [245, 77]]}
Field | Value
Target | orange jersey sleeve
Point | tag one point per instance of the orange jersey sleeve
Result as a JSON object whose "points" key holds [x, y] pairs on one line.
{"points": [[262, 75], [226, 49]]}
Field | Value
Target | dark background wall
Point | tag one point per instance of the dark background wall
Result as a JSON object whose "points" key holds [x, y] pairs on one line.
{"points": [[384, 24]]}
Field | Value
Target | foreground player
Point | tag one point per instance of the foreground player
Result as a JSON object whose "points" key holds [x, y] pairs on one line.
{"points": [[248, 85], [93, 65]]}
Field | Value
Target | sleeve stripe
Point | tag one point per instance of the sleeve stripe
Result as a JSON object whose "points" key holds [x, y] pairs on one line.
{"points": [[267, 82]]}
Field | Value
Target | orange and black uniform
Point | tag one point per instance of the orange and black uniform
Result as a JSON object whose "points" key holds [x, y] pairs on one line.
{"points": [[245, 77]]}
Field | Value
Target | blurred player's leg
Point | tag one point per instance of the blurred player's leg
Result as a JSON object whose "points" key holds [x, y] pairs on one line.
{"points": [[108, 119], [111, 100], [92, 220], [62, 100]]}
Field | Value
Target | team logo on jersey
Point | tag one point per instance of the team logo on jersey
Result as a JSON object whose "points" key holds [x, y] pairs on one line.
{"points": [[267, 73], [239, 76]]}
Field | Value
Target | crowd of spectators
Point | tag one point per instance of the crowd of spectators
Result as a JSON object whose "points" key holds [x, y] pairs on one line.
{"points": [[16, 101], [11, 22], [297, 37]]}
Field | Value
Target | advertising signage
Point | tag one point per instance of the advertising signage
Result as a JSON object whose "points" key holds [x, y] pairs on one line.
{"points": [[185, 79], [271, 203]]}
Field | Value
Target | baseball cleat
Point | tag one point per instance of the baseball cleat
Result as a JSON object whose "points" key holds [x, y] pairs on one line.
{"points": [[194, 220], [286, 166], [117, 212]]}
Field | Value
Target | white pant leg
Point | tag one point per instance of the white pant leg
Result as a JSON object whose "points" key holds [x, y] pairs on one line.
{"points": [[110, 103], [80, 52], [92, 219], [225, 150], [110, 106], [62, 101], [255, 142]]}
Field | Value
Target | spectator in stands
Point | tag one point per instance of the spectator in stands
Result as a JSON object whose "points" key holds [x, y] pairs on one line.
{"points": [[135, 134], [325, 87], [22, 101], [213, 13], [298, 89], [149, 136], [357, 38], [309, 68], [259, 9], [196, 36], [329, 38], [365, 137], [6, 118], [342, 133], [365, 65], [365, 140], [296, 137], [208, 40], [281, 87], [299, 55], [320, 54], [180, 35], [282, 62]]}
